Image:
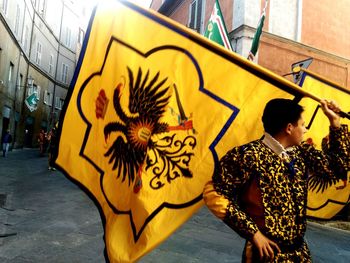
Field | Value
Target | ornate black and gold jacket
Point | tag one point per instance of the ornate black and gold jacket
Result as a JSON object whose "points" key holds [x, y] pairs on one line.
{"points": [[266, 192]]}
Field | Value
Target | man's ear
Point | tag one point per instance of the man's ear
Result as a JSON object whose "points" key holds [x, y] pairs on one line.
{"points": [[289, 128]]}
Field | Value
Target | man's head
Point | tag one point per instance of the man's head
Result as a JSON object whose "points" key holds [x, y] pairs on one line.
{"points": [[284, 117]]}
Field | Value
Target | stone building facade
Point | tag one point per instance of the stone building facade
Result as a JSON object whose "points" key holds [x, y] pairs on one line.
{"points": [[39, 42]]}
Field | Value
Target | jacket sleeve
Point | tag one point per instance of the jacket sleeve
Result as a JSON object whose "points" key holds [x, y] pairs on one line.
{"points": [[333, 162], [222, 193]]}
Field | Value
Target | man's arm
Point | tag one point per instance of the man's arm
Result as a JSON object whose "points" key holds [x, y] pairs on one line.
{"points": [[222, 193], [334, 161], [331, 110]]}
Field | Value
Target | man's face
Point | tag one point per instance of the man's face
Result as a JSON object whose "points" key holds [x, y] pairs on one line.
{"points": [[297, 132]]}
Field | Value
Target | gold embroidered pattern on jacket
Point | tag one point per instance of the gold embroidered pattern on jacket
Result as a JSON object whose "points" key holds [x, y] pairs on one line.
{"points": [[283, 187]]}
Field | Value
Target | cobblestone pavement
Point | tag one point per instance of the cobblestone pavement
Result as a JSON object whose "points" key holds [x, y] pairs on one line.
{"points": [[44, 217]]}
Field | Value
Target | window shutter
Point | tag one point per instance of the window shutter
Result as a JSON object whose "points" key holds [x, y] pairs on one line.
{"points": [[38, 92], [199, 16], [192, 21]]}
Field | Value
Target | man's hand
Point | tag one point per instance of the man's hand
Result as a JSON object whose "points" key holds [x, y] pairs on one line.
{"points": [[265, 246], [331, 110]]}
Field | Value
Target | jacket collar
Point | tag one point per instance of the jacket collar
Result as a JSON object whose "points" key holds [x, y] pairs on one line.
{"points": [[275, 146]]}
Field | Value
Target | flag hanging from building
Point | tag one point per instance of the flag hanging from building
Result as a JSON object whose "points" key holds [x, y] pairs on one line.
{"points": [[216, 29], [256, 40], [32, 102], [325, 197], [149, 113]]}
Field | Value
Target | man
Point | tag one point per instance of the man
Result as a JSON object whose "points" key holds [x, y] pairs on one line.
{"points": [[52, 139], [6, 140], [260, 189]]}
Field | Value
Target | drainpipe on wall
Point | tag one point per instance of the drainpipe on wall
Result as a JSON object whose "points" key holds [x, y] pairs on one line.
{"points": [[26, 83], [54, 84], [15, 99]]}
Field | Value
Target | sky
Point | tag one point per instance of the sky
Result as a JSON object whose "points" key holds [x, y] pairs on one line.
{"points": [[91, 3]]}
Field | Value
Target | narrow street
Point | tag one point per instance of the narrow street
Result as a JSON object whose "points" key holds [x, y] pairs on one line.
{"points": [[44, 217]]}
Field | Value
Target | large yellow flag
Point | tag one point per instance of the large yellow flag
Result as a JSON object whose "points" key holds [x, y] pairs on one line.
{"points": [[152, 108], [325, 197]]}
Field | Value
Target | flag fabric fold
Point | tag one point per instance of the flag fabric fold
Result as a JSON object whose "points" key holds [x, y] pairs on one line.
{"points": [[325, 197], [148, 115], [216, 28]]}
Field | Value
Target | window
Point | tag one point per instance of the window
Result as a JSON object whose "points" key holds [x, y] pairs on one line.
{"points": [[4, 6], [26, 36], [59, 103], [38, 53], [196, 16], [37, 92], [20, 81], [18, 13], [51, 64], [68, 37], [81, 36], [11, 71], [64, 75], [48, 98]]}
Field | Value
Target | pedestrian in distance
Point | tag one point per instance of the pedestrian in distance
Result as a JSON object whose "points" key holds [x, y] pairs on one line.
{"points": [[42, 141], [260, 189], [52, 145], [6, 141]]}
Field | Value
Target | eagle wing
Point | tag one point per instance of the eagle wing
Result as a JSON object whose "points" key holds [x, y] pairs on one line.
{"points": [[125, 158], [321, 183], [148, 98]]}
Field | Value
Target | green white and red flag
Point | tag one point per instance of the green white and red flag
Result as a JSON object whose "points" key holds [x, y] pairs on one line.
{"points": [[216, 29], [256, 40]]}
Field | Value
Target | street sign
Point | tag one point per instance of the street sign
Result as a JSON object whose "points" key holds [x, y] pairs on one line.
{"points": [[302, 64]]}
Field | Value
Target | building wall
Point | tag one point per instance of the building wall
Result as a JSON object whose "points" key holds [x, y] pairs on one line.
{"points": [[283, 18], [49, 46], [326, 26], [226, 9], [278, 54], [181, 14], [56, 26], [11, 56], [294, 30], [245, 12], [27, 28], [53, 16], [10, 91]]}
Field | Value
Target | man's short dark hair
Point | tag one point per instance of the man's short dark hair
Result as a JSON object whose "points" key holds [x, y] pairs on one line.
{"points": [[278, 113]]}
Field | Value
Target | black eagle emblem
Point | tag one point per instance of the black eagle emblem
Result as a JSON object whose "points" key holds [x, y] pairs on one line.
{"points": [[148, 101], [323, 182]]}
